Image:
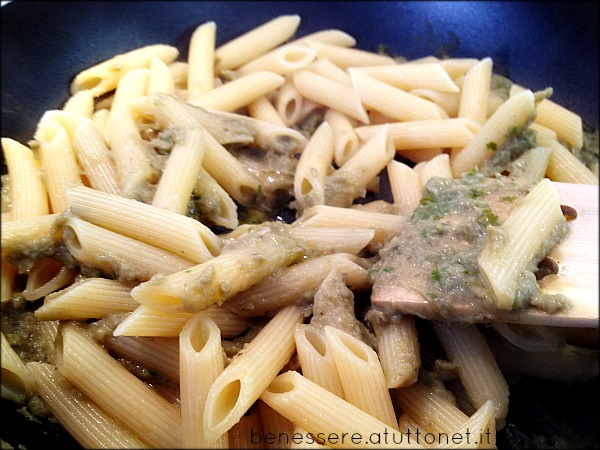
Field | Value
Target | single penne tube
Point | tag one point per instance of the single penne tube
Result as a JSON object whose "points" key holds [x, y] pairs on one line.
{"points": [[532, 164], [288, 102], [430, 133], [412, 76], [478, 370], [512, 250], [253, 258], [46, 276], [250, 372], [131, 159], [58, 161], [567, 125], [24, 235], [160, 78], [27, 189], [385, 225], [316, 358], [475, 91], [87, 365], [201, 60], [429, 408], [361, 375], [322, 240], [323, 413], [439, 166], [297, 284], [563, 165], [480, 426], [351, 180], [392, 101], [344, 136], [239, 92], [89, 298], [152, 322], [212, 203], [132, 85], [83, 419], [314, 165], [422, 154], [330, 36], [405, 184], [281, 60], [200, 364], [516, 112], [81, 102], [167, 230], [95, 158], [255, 42], [100, 119], [104, 77], [180, 173], [330, 93], [263, 109], [117, 255], [457, 67], [398, 348], [448, 101], [345, 57], [247, 431], [17, 380]]}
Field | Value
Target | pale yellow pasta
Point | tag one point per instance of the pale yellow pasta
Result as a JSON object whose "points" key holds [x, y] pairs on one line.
{"points": [[255, 42], [200, 364], [201, 56], [316, 358], [405, 184], [345, 57], [8, 272], [517, 111], [160, 78], [17, 380], [392, 101], [250, 372], [148, 321], [438, 166], [330, 36], [344, 136], [255, 257], [217, 206], [477, 369], [398, 348], [321, 412], [276, 429], [328, 69], [385, 225], [132, 161], [20, 235], [288, 102], [247, 431], [421, 134], [45, 276], [116, 254], [457, 67], [324, 240], [132, 85], [27, 190], [81, 102], [104, 77], [448, 101], [563, 165], [510, 249], [89, 298], [180, 173], [87, 365], [297, 283], [83, 419], [330, 93], [479, 431], [179, 72], [95, 158], [100, 119], [475, 91], [314, 165], [532, 164], [567, 125], [263, 109], [175, 233], [281, 60], [412, 76], [361, 375]]}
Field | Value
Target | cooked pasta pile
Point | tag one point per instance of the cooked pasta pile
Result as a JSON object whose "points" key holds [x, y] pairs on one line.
{"points": [[190, 246]]}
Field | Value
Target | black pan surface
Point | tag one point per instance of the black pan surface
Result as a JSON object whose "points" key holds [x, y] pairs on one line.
{"points": [[537, 44]]}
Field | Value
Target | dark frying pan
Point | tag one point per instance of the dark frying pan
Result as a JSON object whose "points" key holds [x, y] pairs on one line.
{"points": [[537, 44]]}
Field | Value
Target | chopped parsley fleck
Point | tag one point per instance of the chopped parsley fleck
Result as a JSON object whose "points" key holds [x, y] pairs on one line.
{"points": [[487, 217], [492, 146], [388, 269], [508, 199], [474, 193], [435, 275]]}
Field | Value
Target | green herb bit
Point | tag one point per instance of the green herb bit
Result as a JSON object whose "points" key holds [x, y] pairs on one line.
{"points": [[488, 217], [435, 275], [508, 198], [474, 193], [492, 146]]}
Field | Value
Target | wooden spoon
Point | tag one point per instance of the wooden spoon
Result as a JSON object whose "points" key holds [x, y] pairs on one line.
{"points": [[576, 259]]}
